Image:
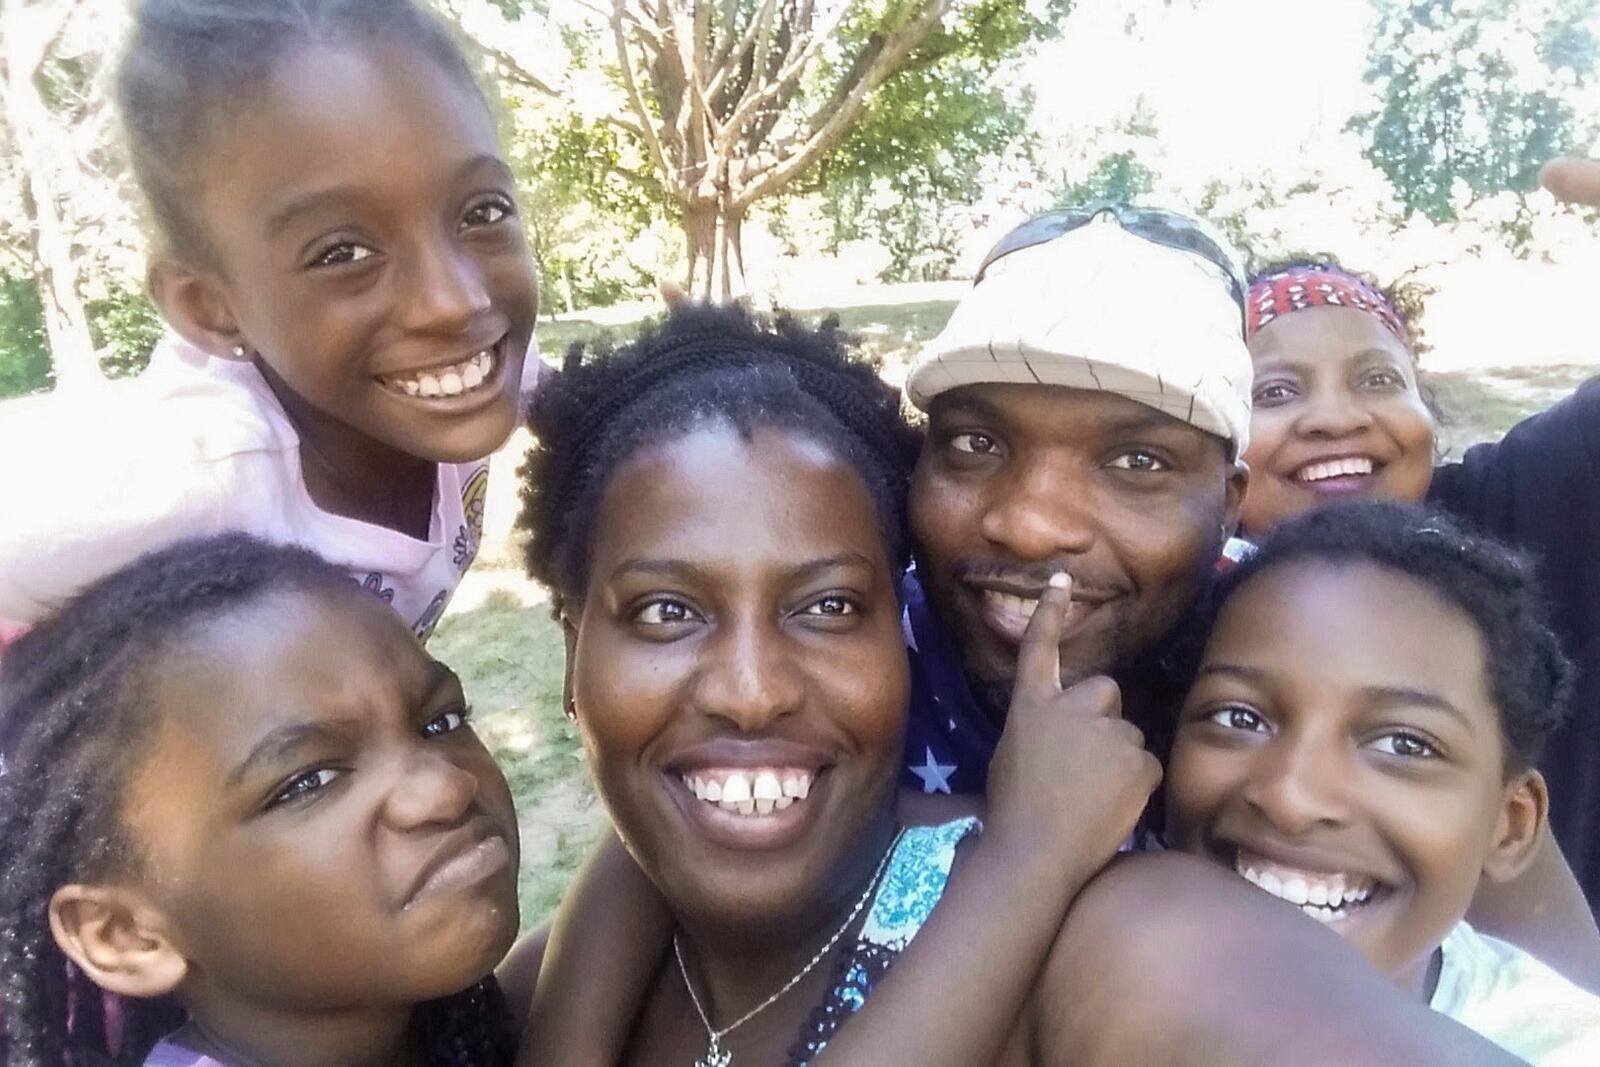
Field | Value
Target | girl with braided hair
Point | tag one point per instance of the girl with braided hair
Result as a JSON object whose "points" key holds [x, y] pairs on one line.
{"points": [[240, 795]]}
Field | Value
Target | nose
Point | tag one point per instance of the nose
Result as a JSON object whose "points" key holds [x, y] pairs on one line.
{"points": [[1298, 786], [430, 789], [751, 678], [1333, 412], [1039, 511], [447, 291]]}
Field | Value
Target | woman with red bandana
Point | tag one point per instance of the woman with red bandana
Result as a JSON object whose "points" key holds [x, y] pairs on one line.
{"points": [[1337, 413]]}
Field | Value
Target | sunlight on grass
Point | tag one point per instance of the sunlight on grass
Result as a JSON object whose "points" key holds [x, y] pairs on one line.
{"points": [[509, 658]]}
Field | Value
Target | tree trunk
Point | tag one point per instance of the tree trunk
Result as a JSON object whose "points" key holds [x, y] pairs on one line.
{"points": [[66, 321], [700, 241]]}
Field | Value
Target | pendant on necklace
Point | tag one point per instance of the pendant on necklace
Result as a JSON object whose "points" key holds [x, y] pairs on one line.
{"points": [[715, 1055]]}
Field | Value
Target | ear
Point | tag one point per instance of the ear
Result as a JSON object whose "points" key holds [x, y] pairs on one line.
{"points": [[1523, 809], [197, 306], [569, 636], [1238, 482], [116, 938]]}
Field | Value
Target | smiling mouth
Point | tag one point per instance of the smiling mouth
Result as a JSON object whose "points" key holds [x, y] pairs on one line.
{"points": [[749, 792], [1326, 470], [1008, 613], [1327, 897], [471, 375]]}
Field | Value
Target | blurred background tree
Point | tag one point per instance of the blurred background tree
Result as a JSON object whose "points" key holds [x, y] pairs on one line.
{"points": [[1475, 96], [793, 146]]}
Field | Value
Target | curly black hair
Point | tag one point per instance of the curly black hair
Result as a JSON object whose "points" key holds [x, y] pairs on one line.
{"points": [[73, 718], [1408, 298], [190, 65], [702, 365], [1529, 677]]}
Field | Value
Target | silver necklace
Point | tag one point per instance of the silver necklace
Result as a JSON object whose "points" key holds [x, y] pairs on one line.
{"points": [[716, 1055]]}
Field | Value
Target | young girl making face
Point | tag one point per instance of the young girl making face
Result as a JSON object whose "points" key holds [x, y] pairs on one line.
{"points": [[1360, 741], [339, 242], [239, 794]]}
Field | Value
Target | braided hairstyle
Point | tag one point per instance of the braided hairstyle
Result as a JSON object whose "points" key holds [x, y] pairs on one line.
{"points": [[702, 365], [1529, 678], [73, 719], [192, 65]]}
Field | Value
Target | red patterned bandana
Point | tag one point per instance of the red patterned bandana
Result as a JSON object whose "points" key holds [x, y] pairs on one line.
{"points": [[1274, 295]]}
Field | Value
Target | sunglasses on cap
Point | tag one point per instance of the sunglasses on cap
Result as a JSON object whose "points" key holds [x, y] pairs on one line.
{"points": [[1166, 228]]}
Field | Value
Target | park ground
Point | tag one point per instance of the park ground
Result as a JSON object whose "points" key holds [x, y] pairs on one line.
{"points": [[499, 634]]}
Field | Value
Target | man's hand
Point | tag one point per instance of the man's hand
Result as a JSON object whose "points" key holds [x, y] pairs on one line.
{"points": [[1575, 181], [1070, 776]]}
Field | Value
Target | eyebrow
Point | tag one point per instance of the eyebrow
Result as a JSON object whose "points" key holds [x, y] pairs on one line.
{"points": [[1148, 418], [673, 568], [1371, 694], [317, 199], [1419, 698], [286, 739], [1233, 670], [1299, 364]]}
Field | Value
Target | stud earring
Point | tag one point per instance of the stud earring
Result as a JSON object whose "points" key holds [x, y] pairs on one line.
{"points": [[572, 710], [238, 351]]}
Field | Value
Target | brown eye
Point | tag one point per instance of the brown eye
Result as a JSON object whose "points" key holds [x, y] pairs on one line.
{"points": [[1406, 744], [664, 612], [1237, 718], [832, 606], [976, 444], [1139, 460]]}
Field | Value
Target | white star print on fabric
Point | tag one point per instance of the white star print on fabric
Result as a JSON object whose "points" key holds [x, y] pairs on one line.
{"points": [[935, 775]]}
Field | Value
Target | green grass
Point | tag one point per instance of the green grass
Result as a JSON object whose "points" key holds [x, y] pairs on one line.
{"points": [[509, 657]]}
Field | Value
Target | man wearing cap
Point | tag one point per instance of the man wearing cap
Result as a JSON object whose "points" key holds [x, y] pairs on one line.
{"points": [[1087, 405], [1124, 472]]}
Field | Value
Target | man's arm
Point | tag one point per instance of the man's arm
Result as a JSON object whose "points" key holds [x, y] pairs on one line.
{"points": [[595, 963]]}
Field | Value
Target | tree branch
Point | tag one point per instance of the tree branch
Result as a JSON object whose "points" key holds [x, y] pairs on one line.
{"points": [[828, 128], [652, 139]]}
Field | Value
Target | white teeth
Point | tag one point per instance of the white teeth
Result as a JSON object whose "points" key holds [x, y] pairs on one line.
{"points": [[1334, 468], [736, 789], [452, 380], [750, 792], [1012, 605], [1325, 898]]}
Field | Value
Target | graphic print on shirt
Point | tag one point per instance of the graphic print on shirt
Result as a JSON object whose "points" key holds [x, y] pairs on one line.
{"points": [[373, 583], [430, 618], [474, 495]]}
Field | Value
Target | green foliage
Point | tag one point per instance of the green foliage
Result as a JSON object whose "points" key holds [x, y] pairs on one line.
{"points": [[1474, 95], [24, 353], [125, 327], [581, 212], [1118, 176], [930, 132]]}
